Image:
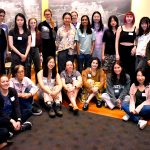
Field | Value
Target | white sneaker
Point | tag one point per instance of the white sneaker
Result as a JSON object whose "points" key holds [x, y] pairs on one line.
{"points": [[142, 124], [125, 117], [110, 104], [11, 134]]}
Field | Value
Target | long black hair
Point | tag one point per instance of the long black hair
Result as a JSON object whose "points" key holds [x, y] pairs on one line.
{"points": [[65, 14], [101, 25], [122, 80], [46, 69], [144, 73], [24, 24], [109, 22], [147, 21], [88, 30]]}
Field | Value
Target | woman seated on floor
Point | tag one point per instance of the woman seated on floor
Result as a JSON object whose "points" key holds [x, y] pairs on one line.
{"points": [[10, 116], [138, 110], [117, 87], [51, 85], [72, 82], [93, 83], [26, 89]]}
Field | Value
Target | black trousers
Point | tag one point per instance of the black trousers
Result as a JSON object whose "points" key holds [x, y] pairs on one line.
{"points": [[35, 57], [48, 49], [4, 134], [128, 61], [16, 60], [2, 62], [62, 58], [5, 123]]}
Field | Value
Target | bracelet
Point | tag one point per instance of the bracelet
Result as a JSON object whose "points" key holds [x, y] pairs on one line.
{"points": [[19, 119]]}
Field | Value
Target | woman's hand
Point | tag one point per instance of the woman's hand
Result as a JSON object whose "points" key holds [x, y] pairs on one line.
{"points": [[132, 111], [69, 87], [117, 57], [24, 95], [103, 57], [133, 51], [119, 103], [95, 89], [76, 83], [16, 125], [23, 57]]}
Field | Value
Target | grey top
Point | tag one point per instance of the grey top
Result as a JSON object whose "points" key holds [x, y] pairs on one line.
{"points": [[117, 91], [69, 79]]}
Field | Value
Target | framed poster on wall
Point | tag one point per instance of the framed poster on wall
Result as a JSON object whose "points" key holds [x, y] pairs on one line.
{"points": [[87, 7], [30, 8]]}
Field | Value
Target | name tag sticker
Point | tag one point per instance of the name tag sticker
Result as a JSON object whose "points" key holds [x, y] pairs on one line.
{"points": [[12, 98], [143, 95], [19, 38], [116, 91], [52, 80], [89, 75], [4, 29], [74, 78], [83, 35], [130, 33]]}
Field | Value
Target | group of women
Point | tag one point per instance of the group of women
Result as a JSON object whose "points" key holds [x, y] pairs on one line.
{"points": [[112, 64]]}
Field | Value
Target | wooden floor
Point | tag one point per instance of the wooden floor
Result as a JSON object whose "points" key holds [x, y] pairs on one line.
{"points": [[116, 113]]}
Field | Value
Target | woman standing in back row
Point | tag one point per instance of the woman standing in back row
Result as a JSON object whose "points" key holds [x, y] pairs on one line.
{"points": [[85, 39], [143, 38], [98, 26], [34, 54], [65, 42], [20, 41], [48, 31], [125, 44], [108, 48]]}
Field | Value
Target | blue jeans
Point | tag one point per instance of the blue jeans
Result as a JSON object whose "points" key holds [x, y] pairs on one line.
{"points": [[145, 112], [26, 104], [83, 61]]}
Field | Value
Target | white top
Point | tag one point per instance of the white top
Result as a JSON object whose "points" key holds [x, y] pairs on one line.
{"points": [[142, 43], [22, 86], [33, 34]]}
